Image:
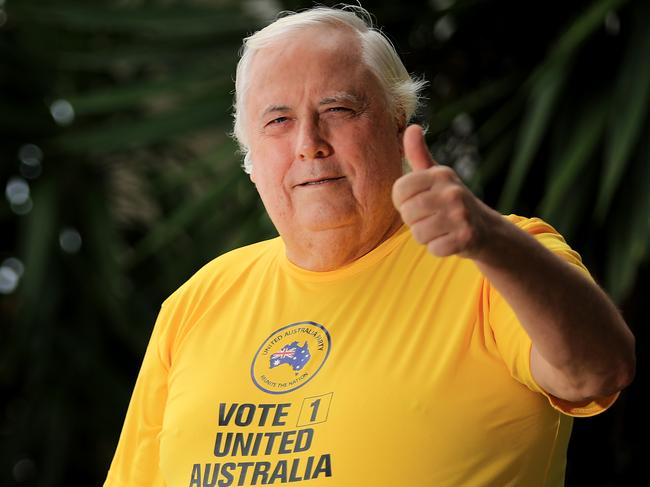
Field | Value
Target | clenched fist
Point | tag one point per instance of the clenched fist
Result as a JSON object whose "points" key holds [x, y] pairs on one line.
{"points": [[441, 211]]}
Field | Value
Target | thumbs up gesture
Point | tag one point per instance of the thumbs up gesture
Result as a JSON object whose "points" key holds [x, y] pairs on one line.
{"points": [[440, 210]]}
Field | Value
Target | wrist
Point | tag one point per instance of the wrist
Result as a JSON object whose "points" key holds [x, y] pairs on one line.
{"points": [[498, 240]]}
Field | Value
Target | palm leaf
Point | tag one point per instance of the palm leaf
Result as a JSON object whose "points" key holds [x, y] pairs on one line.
{"points": [[630, 107], [545, 86], [150, 20], [208, 110], [569, 166], [544, 94], [631, 232]]}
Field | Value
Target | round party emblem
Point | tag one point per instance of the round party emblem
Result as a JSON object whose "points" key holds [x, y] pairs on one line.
{"points": [[290, 357]]}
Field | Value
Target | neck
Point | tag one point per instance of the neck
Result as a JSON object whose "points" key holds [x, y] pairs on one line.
{"points": [[333, 248]]}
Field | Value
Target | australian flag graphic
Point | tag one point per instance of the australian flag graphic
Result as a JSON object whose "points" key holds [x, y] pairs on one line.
{"points": [[292, 354]]}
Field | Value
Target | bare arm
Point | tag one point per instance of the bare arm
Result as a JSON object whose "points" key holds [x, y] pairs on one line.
{"points": [[582, 348]]}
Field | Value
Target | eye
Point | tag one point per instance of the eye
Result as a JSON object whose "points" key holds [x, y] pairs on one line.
{"points": [[339, 109], [277, 121]]}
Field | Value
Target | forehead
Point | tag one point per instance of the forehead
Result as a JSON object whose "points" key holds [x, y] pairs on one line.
{"points": [[320, 62]]}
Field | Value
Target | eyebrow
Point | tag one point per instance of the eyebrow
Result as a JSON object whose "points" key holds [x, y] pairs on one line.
{"points": [[275, 108], [335, 98], [342, 96]]}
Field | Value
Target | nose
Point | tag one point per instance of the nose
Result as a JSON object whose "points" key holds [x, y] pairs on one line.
{"points": [[312, 143]]}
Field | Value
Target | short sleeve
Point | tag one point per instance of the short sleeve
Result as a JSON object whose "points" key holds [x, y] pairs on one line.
{"points": [[136, 460], [513, 342]]}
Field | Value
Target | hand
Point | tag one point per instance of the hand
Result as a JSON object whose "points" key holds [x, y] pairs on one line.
{"points": [[442, 213]]}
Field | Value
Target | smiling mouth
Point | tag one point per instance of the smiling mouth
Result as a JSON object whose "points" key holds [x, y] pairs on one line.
{"points": [[321, 181]]}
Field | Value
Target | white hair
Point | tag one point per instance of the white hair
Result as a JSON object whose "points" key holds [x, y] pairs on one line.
{"points": [[378, 53]]}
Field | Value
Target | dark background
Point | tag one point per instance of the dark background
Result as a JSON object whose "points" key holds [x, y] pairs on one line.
{"points": [[120, 181]]}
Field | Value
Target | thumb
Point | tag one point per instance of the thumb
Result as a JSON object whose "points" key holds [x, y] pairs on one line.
{"points": [[415, 149]]}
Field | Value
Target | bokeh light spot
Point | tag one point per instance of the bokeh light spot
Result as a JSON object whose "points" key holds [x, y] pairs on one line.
{"points": [[23, 208], [8, 279], [17, 191], [612, 23], [62, 112], [30, 156], [70, 240], [14, 264], [444, 28], [24, 470], [462, 125]]}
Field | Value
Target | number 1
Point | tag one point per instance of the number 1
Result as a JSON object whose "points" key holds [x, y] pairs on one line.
{"points": [[314, 405]]}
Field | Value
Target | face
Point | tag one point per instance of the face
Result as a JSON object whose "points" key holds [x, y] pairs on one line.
{"points": [[325, 148]]}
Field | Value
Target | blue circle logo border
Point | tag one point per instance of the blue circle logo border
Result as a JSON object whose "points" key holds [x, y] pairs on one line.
{"points": [[329, 349]]}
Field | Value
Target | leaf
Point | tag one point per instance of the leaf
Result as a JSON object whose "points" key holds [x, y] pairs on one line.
{"points": [[103, 245], [120, 58], [173, 21], [171, 227], [544, 94], [630, 232], [471, 103], [39, 242], [211, 164], [581, 29], [572, 161], [206, 111], [630, 107], [132, 95], [545, 85], [493, 162], [499, 122]]}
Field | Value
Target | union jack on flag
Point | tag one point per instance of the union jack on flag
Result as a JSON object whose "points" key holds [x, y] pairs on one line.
{"points": [[285, 352]]}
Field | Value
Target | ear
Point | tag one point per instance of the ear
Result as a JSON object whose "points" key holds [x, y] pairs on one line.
{"points": [[247, 162]]}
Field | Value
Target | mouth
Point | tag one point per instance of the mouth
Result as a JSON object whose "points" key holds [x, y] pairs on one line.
{"points": [[317, 182]]}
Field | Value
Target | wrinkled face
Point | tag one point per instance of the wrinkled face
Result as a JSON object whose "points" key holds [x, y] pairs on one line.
{"points": [[324, 145]]}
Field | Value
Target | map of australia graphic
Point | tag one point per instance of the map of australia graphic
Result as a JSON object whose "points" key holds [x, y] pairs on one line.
{"points": [[294, 355]]}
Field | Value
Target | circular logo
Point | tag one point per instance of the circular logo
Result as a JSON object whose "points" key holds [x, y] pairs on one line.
{"points": [[290, 357]]}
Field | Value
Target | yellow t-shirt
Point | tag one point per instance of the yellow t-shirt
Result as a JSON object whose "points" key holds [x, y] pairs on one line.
{"points": [[400, 369]]}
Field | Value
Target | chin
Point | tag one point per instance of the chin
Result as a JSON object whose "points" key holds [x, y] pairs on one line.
{"points": [[326, 218]]}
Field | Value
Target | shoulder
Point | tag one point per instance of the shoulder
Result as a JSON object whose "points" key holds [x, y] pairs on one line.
{"points": [[533, 226], [550, 238], [227, 268], [209, 287]]}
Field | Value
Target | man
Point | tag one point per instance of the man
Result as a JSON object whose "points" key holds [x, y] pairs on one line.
{"points": [[398, 332]]}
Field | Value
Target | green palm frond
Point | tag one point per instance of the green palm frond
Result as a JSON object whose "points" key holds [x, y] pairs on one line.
{"points": [[629, 109], [583, 130]]}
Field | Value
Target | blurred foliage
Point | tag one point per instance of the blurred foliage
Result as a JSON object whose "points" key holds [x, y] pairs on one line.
{"points": [[121, 180]]}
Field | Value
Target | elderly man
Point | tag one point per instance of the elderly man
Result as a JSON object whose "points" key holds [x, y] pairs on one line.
{"points": [[398, 332]]}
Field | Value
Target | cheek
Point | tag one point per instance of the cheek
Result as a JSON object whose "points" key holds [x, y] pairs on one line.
{"points": [[270, 163], [269, 175], [385, 160], [267, 181], [272, 193]]}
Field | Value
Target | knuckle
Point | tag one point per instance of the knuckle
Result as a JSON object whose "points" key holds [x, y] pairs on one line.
{"points": [[422, 200], [419, 233], [445, 173], [407, 214], [460, 215], [439, 248], [433, 249], [398, 190], [454, 194], [466, 236]]}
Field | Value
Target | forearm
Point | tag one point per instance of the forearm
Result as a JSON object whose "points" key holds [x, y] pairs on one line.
{"points": [[582, 348]]}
